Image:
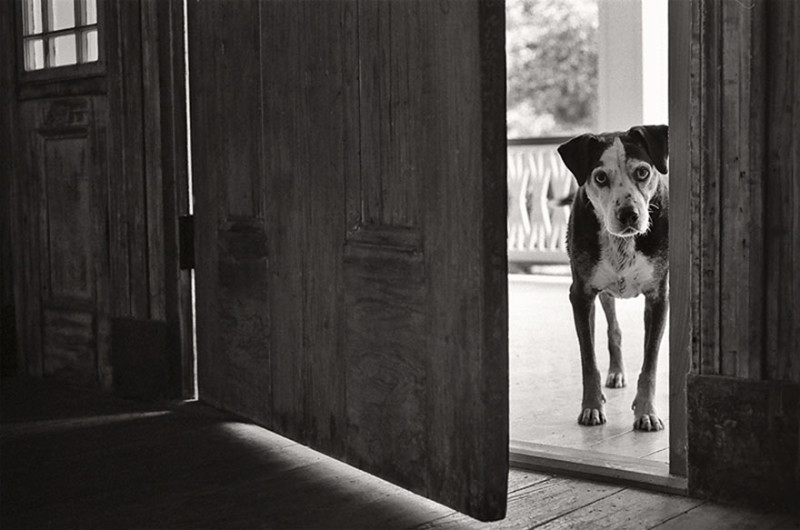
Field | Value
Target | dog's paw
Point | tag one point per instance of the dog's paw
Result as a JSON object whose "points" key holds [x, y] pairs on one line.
{"points": [[648, 422], [615, 379], [592, 416]]}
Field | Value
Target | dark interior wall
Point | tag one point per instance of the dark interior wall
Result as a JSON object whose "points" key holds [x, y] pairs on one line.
{"points": [[8, 343], [743, 414]]}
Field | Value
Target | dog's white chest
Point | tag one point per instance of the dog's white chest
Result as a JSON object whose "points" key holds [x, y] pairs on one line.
{"points": [[622, 272]]}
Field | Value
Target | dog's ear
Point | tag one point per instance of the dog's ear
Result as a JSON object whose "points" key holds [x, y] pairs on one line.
{"points": [[580, 154], [655, 139]]}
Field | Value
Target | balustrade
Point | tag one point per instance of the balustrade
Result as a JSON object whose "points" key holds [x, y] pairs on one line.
{"points": [[537, 230]]}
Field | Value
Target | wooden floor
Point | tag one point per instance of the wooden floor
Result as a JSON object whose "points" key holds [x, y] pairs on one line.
{"points": [[545, 373], [74, 459]]}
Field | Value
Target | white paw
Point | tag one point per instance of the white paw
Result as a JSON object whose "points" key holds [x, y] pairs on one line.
{"points": [[648, 422], [592, 416]]}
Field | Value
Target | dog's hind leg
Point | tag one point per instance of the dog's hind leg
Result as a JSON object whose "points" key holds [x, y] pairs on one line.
{"points": [[616, 368], [592, 408], [655, 318]]}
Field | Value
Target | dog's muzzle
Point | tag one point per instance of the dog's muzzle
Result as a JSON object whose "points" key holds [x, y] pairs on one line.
{"points": [[627, 218]]}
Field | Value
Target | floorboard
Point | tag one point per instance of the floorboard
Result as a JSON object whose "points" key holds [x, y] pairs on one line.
{"points": [[627, 509], [71, 459], [713, 516]]}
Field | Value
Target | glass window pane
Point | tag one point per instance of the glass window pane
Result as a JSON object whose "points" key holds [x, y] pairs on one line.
{"points": [[89, 11], [63, 50], [32, 16], [34, 54], [62, 14], [90, 53]]}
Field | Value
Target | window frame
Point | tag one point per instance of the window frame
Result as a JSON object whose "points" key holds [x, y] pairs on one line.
{"points": [[65, 72]]}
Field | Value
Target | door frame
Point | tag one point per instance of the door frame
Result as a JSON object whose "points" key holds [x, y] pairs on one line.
{"points": [[683, 124]]}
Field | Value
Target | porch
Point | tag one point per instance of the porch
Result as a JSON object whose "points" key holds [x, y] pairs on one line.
{"points": [[545, 373]]}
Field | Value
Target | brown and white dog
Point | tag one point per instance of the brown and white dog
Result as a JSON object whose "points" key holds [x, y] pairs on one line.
{"points": [[618, 248]]}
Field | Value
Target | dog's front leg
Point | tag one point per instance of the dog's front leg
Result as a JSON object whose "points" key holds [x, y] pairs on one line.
{"points": [[655, 317], [592, 408], [616, 367]]}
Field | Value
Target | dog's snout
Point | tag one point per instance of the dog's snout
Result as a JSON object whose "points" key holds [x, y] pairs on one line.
{"points": [[628, 216]]}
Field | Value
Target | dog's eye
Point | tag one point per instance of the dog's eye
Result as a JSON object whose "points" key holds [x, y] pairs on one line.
{"points": [[601, 178], [642, 173]]}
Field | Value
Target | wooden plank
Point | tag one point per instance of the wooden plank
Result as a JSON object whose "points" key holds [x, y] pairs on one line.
{"points": [[468, 320], [782, 196], [118, 252], [683, 274], [104, 300], [323, 184], [625, 510], [284, 163], [709, 245], [753, 113], [133, 163], [591, 464], [710, 516], [153, 159], [741, 220], [534, 505], [696, 109], [234, 317], [794, 360]]}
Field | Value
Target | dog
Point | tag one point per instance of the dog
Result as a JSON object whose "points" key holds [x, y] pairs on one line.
{"points": [[617, 241]]}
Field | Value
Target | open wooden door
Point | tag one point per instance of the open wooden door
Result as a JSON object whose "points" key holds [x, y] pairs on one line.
{"points": [[349, 172]]}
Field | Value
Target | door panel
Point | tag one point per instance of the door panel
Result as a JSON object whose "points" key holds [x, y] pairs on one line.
{"points": [[65, 187], [349, 168]]}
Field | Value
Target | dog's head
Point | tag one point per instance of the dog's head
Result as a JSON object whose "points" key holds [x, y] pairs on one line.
{"points": [[621, 172]]}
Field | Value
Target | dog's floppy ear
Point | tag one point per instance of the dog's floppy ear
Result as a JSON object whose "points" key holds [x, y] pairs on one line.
{"points": [[655, 139], [580, 154]]}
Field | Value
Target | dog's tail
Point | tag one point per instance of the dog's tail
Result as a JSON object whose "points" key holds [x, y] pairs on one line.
{"points": [[555, 202]]}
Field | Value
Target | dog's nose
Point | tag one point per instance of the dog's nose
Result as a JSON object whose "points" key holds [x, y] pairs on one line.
{"points": [[628, 216]]}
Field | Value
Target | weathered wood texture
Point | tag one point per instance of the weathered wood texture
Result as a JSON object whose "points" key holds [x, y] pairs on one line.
{"points": [[782, 174], [351, 232], [96, 216], [743, 114], [684, 230], [745, 154], [743, 439]]}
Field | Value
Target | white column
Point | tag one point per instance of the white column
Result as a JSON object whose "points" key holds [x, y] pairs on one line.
{"points": [[620, 98], [655, 69], [632, 69]]}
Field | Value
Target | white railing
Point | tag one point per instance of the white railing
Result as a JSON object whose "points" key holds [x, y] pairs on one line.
{"points": [[537, 232]]}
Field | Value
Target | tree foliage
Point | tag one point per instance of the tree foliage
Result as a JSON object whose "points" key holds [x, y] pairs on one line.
{"points": [[552, 66]]}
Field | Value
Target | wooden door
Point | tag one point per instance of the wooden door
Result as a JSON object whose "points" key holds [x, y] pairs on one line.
{"points": [[349, 172], [95, 100]]}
